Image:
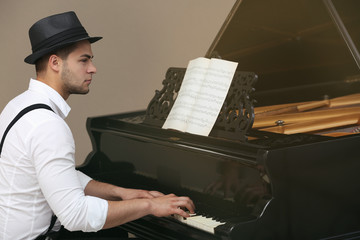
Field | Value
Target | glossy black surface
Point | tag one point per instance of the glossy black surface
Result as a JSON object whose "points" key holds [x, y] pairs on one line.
{"points": [[303, 187], [295, 47]]}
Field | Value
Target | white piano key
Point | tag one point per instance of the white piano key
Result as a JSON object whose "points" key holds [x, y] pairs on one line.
{"points": [[200, 222]]}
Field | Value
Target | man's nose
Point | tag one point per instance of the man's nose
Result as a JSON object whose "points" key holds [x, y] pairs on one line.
{"points": [[92, 68]]}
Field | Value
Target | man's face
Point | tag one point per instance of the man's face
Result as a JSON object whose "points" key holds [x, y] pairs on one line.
{"points": [[77, 70]]}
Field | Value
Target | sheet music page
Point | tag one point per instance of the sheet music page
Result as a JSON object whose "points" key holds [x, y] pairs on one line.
{"points": [[212, 96], [190, 87], [201, 96]]}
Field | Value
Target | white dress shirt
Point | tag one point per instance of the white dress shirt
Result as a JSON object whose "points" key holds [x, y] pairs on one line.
{"points": [[37, 170]]}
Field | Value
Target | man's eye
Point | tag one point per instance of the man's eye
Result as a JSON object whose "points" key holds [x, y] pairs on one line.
{"points": [[84, 60]]}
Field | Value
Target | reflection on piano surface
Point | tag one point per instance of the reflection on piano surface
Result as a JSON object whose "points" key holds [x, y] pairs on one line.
{"points": [[282, 161]]}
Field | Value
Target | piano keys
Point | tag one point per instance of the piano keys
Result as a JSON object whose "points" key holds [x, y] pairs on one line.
{"points": [[201, 222], [250, 179]]}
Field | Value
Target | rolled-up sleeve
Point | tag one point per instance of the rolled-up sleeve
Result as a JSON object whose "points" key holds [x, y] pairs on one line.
{"points": [[83, 178], [52, 147]]}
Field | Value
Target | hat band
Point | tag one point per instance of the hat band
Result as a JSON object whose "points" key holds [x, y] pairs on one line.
{"points": [[78, 32]]}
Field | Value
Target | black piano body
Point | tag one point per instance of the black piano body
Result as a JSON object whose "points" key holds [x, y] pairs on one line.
{"points": [[260, 184]]}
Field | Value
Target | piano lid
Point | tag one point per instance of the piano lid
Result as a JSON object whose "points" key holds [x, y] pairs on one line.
{"points": [[300, 49]]}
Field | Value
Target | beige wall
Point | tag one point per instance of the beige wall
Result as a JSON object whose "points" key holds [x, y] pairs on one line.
{"points": [[142, 38]]}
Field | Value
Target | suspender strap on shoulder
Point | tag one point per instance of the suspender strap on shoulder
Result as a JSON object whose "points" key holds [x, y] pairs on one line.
{"points": [[20, 114]]}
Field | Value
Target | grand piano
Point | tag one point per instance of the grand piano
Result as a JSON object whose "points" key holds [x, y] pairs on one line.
{"points": [[282, 160]]}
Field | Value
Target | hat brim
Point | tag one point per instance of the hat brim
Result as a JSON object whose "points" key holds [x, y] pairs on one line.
{"points": [[32, 58]]}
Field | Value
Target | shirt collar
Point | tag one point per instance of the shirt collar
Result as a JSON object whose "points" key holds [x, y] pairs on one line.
{"points": [[58, 103]]}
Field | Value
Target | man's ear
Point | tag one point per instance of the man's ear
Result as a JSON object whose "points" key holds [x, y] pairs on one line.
{"points": [[55, 62]]}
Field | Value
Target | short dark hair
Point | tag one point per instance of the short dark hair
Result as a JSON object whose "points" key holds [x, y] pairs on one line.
{"points": [[63, 53]]}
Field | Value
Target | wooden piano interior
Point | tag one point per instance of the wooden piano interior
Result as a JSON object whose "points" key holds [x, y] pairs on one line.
{"points": [[329, 117]]}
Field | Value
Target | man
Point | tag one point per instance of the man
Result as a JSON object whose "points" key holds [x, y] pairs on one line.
{"points": [[37, 167]]}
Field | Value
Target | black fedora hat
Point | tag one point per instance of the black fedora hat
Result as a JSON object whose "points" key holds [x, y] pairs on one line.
{"points": [[54, 32]]}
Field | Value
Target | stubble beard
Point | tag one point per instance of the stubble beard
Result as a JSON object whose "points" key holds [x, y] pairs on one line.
{"points": [[69, 84]]}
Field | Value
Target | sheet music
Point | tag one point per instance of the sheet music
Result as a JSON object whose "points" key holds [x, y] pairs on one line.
{"points": [[201, 96]]}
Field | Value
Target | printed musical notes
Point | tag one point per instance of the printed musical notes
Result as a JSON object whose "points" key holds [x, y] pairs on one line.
{"points": [[201, 96]]}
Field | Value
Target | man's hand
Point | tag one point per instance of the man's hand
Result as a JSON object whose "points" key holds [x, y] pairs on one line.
{"points": [[129, 204], [128, 193], [120, 212], [171, 204]]}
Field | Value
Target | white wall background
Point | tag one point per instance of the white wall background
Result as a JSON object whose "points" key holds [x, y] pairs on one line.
{"points": [[142, 38]]}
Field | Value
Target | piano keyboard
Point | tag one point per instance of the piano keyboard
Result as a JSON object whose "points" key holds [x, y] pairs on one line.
{"points": [[200, 222]]}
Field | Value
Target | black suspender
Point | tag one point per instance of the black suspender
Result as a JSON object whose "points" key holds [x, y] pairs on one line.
{"points": [[20, 114]]}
